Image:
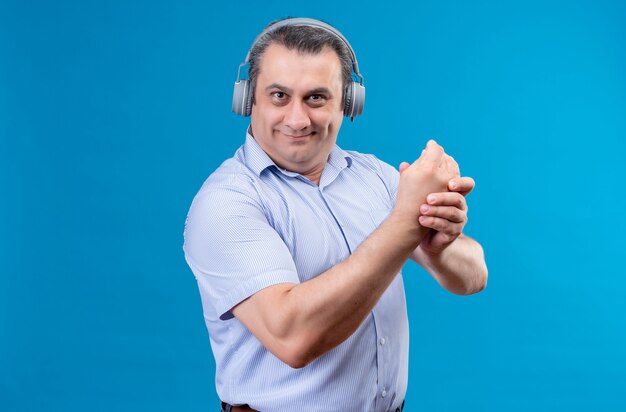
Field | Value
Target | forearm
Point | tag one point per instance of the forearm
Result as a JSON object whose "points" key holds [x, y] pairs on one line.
{"points": [[309, 319], [460, 268], [334, 304]]}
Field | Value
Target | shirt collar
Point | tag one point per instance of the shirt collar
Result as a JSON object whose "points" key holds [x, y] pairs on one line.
{"points": [[257, 160], [339, 158]]}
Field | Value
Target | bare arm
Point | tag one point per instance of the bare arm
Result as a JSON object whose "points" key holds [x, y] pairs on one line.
{"points": [[460, 268], [299, 323], [454, 260]]}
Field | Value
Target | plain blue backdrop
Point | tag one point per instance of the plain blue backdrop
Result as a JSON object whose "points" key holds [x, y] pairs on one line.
{"points": [[112, 114]]}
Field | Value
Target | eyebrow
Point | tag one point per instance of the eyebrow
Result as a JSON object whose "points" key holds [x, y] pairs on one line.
{"points": [[318, 90], [321, 90]]}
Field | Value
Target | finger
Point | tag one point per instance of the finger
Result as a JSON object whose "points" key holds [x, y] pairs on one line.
{"points": [[441, 225], [452, 214], [438, 241], [403, 166], [432, 154], [452, 199], [452, 166], [462, 185]]}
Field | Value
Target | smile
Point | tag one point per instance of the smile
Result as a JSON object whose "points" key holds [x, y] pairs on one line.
{"points": [[296, 137]]}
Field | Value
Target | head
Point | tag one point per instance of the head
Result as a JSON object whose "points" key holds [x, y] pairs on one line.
{"points": [[298, 75], [304, 39]]}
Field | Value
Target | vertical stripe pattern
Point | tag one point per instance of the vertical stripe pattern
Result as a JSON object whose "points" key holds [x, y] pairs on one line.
{"points": [[253, 225]]}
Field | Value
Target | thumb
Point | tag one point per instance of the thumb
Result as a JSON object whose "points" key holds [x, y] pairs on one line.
{"points": [[403, 166]]}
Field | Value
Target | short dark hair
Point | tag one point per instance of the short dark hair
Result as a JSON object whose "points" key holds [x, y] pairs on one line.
{"points": [[304, 39]]}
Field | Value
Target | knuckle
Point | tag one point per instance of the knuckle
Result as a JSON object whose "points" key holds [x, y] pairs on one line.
{"points": [[459, 201], [441, 225], [427, 221], [452, 231], [451, 214], [431, 222], [446, 238], [459, 216]]}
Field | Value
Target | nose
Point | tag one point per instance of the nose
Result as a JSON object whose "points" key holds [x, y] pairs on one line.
{"points": [[296, 116]]}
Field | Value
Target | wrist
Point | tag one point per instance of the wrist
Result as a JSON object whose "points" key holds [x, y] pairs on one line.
{"points": [[407, 222]]}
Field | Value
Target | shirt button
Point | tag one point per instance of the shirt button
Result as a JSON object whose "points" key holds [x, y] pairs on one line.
{"points": [[382, 341], [383, 393]]}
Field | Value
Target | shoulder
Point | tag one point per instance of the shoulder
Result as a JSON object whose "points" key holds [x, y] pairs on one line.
{"points": [[368, 162], [226, 197], [232, 180]]}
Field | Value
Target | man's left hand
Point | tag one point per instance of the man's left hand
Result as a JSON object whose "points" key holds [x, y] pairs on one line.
{"points": [[445, 214]]}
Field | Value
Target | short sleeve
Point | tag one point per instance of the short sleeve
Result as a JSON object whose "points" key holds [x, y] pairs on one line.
{"points": [[232, 249]]}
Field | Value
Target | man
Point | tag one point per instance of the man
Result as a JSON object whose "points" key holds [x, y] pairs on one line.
{"points": [[297, 245]]}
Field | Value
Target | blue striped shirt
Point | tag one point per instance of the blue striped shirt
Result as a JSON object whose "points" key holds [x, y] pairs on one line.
{"points": [[253, 225]]}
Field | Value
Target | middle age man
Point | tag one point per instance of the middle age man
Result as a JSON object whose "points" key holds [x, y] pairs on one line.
{"points": [[297, 244]]}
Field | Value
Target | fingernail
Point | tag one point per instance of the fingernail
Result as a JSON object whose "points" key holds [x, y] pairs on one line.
{"points": [[431, 199], [425, 208], [454, 184]]}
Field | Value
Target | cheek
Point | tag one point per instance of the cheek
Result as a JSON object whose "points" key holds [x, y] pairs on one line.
{"points": [[334, 123], [330, 120], [266, 114]]}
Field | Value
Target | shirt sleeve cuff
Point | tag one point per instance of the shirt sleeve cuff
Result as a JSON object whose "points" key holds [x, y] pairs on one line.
{"points": [[249, 288]]}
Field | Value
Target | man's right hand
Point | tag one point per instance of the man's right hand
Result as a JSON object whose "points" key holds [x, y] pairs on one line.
{"points": [[430, 173]]}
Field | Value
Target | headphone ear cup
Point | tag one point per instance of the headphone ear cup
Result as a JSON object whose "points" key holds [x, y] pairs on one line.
{"points": [[249, 95], [347, 100], [242, 101], [354, 99]]}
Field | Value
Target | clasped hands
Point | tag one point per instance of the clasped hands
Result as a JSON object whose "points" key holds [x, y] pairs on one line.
{"points": [[432, 191]]}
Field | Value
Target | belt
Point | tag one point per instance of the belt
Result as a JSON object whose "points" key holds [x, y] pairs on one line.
{"points": [[245, 408], [233, 408]]}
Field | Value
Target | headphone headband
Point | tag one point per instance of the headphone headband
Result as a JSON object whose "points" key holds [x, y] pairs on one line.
{"points": [[303, 21]]}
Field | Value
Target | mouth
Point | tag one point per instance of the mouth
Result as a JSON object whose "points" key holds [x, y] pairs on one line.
{"points": [[297, 136]]}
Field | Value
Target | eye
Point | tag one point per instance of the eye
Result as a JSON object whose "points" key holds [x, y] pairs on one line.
{"points": [[279, 97], [317, 99]]}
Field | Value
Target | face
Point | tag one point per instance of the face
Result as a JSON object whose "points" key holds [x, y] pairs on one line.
{"points": [[298, 112]]}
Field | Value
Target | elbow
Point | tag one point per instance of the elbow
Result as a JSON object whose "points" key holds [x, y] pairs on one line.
{"points": [[300, 351], [297, 362], [468, 285], [477, 284], [482, 278], [295, 358]]}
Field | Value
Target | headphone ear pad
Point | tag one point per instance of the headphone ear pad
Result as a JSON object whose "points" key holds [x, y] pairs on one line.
{"points": [[249, 95], [354, 99], [357, 100], [347, 100], [242, 99]]}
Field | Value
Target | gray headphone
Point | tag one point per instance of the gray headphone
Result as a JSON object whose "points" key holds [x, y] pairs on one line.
{"points": [[355, 91]]}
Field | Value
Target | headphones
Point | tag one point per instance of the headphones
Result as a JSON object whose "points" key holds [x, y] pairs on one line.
{"points": [[354, 96]]}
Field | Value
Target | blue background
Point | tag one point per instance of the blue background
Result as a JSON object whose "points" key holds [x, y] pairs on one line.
{"points": [[112, 114]]}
